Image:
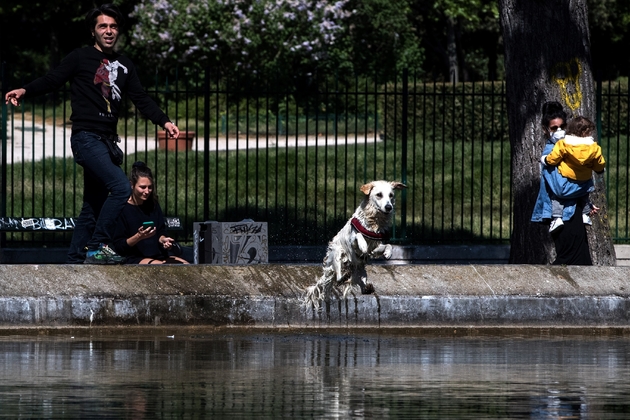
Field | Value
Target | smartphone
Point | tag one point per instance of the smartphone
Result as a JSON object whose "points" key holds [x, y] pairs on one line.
{"points": [[148, 224]]}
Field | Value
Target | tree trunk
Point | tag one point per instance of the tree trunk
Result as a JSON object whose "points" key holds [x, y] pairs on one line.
{"points": [[547, 58], [451, 51]]}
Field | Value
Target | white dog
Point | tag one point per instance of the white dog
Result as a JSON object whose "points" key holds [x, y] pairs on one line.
{"points": [[360, 239]]}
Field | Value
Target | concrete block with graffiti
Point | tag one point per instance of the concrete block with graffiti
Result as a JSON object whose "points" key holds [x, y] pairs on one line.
{"points": [[231, 243]]}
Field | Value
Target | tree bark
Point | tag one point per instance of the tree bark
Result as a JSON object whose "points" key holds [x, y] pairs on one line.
{"points": [[451, 51], [547, 58]]}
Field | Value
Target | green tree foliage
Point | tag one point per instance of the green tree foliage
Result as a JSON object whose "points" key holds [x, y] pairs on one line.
{"points": [[609, 21], [36, 35], [381, 38], [231, 35], [285, 37], [364, 36], [33, 33], [461, 38]]}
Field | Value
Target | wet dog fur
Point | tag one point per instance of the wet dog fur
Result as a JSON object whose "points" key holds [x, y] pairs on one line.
{"points": [[361, 239]]}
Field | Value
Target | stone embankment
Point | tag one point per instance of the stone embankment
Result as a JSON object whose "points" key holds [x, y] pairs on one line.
{"points": [[268, 296]]}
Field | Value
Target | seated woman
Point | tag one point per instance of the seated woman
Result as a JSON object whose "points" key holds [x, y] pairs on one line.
{"points": [[141, 231]]}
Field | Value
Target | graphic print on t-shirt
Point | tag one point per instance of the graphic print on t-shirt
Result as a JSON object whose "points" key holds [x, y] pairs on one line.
{"points": [[106, 75]]}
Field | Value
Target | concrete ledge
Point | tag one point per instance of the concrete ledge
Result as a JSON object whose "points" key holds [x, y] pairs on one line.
{"points": [[408, 254], [267, 296]]}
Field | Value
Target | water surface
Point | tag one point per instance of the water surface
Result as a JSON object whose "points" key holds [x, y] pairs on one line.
{"points": [[314, 375]]}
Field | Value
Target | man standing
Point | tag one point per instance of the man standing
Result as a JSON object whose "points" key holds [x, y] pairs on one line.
{"points": [[98, 77]]}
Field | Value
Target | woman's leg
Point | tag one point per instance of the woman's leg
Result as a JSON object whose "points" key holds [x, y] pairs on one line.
{"points": [[169, 260], [571, 242], [150, 261], [175, 260]]}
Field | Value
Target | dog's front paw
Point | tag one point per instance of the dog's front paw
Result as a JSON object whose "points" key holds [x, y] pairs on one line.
{"points": [[368, 289], [362, 244], [388, 251]]}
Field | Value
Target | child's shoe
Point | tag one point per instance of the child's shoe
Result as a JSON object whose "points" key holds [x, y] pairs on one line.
{"points": [[555, 224], [587, 219]]}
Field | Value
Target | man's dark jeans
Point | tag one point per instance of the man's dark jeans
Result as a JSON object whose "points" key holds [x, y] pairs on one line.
{"points": [[106, 189]]}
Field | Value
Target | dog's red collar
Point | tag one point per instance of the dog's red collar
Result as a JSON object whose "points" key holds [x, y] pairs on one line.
{"points": [[356, 223]]}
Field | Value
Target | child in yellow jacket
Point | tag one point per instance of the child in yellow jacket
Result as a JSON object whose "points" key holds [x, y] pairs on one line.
{"points": [[577, 155]]}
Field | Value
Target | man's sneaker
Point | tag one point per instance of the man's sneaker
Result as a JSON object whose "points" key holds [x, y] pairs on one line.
{"points": [[103, 255], [555, 224], [587, 219]]}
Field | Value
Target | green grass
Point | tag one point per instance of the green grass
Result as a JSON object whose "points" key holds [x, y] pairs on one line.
{"points": [[617, 155], [458, 192]]}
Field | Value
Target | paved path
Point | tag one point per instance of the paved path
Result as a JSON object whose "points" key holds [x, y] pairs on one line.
{"points": [[30, 141]]}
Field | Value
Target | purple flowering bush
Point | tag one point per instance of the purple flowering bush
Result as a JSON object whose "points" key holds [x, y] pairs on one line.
{"points": [[252, 35]]}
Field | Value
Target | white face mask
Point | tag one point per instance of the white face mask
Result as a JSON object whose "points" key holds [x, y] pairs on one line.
{"points": [[559, 134]]}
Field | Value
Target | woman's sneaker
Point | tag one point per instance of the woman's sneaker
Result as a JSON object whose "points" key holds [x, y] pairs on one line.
{"points": [[103, 255]]}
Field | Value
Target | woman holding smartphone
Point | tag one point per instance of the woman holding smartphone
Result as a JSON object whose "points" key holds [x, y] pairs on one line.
{"points": [[141, 231]]}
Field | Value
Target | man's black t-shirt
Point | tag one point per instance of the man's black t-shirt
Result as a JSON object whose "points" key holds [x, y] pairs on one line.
{"points": [[97, 83]]}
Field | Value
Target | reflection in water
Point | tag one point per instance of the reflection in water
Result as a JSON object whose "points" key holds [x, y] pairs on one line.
{"points": [[314, 376]]}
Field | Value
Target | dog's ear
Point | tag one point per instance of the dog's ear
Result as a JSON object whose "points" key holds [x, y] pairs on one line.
{"points": [[365, 189], [397, 185]]}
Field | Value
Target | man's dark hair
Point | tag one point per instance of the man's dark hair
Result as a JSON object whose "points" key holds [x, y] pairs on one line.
{"points": [[106, 9], [552, 110]]}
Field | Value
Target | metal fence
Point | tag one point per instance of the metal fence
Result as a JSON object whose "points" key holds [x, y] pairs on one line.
{"points": [[294, 155]]}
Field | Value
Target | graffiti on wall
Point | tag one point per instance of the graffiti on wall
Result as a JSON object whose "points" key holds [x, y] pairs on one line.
{"points": [[230, 243], [239, 243], [36, 223]]}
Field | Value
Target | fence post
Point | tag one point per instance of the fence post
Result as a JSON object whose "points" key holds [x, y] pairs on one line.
{"points": [[3, 153], [404, 138], [598, 106], [600, 134], [206, 145]]}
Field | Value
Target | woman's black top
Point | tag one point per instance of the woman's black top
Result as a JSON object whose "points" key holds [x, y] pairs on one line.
{"points": [[130, 219]]}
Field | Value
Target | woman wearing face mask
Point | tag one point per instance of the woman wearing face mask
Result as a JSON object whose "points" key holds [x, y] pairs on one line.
{"points": [[576, 156], [141, 231], [552, 184], [570, 236]]}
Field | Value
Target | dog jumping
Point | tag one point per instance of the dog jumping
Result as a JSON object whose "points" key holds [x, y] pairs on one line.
{"points": [[363, 237]]}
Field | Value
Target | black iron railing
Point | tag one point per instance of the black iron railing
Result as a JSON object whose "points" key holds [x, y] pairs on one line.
{"points": [[295, 156]]}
